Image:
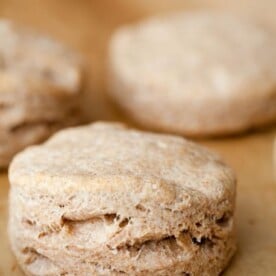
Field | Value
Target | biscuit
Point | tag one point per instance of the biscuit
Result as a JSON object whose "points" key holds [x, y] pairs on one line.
{"points": [[40, 88], [195, 73], [103, 199]]}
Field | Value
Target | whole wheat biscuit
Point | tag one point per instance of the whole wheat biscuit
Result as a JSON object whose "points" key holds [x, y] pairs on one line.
{"points": [[196, 73], [40, 85], [106, 200]]}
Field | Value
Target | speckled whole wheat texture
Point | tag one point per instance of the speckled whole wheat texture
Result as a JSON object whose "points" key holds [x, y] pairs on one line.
{"points": [[40, 84], [195, 73], [107, 200]]}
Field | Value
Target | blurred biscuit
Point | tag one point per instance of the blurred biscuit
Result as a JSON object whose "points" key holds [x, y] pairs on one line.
{"points": [[40, 85], [195, 73], [106, 200]]}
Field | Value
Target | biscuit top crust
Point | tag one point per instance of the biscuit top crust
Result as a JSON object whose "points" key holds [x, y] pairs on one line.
{"points": [[110, 158], [195, 55], [31, 63]]}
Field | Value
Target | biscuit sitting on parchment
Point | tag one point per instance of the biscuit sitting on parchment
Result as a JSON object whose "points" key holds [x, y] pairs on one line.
{"points": [[195, 73], [107, 200], [40, 85]]}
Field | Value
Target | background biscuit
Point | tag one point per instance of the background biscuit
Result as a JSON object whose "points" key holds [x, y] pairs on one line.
{"points": [[195, 73], [40, 85]]}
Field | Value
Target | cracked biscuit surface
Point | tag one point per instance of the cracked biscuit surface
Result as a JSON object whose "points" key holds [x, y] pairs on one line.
{"points": [[195, 73], [40, 85], [107, 200]]}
